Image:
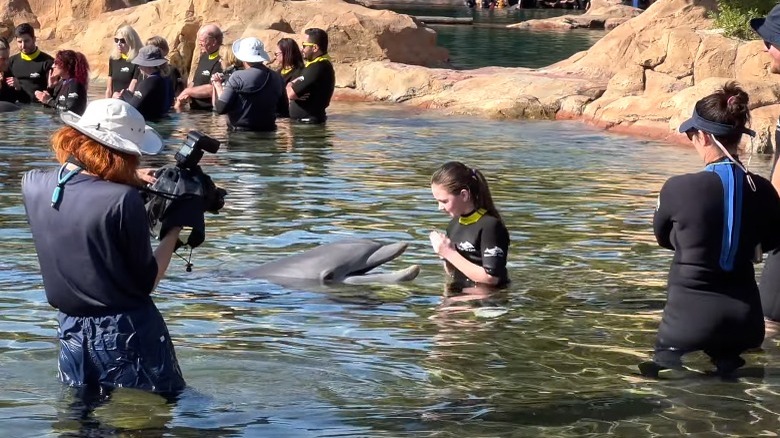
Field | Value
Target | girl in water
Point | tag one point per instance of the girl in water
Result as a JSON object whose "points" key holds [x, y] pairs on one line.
{"points": [[716, 221], [476, 243]]}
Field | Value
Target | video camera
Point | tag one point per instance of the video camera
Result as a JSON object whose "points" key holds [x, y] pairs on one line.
{"points": [[184, 180]]}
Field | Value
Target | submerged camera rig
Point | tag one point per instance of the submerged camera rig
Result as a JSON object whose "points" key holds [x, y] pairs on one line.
{"points": [[185, 179]]}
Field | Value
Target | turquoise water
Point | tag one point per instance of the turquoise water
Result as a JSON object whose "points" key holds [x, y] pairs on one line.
{"points": [[555, 356], [488, 42]]}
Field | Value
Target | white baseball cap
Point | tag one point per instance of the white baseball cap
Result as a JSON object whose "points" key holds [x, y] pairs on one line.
{"points": [[116, 124]]}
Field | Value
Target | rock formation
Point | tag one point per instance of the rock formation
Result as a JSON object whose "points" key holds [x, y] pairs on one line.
{"points": [[641, 78]]}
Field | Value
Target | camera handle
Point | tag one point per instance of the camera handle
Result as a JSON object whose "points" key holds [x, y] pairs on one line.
{"points": [[187, 261]]}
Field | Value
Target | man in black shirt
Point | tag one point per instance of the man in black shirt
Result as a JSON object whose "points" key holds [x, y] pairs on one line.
{"points": [[310, 92], [200, 89], [28, 70]]}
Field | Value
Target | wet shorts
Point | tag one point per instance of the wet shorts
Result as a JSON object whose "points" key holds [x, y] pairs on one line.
{"points": [[130, 349]]}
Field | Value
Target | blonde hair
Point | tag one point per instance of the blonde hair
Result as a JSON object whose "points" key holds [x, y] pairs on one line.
{"points": [[133, 42], [228, 57]]}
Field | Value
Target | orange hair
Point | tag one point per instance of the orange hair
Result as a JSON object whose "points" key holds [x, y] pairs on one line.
{"points": [[106, 163]]}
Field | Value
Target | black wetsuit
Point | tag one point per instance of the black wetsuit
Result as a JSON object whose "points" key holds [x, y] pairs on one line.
{"points": [[152, 97], [207, 66], [33, 75], [122, 72], [68, 95], [714, 222], [483, 240], [314, 87], [770, 276], [283, 108]]}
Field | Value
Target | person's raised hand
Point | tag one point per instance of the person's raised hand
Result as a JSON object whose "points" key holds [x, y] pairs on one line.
{"points": [[440, 242]]}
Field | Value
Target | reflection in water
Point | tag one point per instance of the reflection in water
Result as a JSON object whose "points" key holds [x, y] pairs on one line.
{"points": [[553, 355]]}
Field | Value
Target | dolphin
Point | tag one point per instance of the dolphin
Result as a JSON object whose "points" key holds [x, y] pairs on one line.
{"points": [[346, 261], [7, 107]]}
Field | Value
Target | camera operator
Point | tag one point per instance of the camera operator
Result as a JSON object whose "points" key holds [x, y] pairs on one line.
{"points": [[91, 234], [250, 96]]}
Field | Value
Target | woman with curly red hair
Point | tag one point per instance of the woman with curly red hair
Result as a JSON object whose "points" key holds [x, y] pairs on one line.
{"points": [[68, 81]]}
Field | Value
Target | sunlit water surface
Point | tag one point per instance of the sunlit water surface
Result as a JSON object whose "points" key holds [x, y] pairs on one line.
{"points": [[556, 357], [488, 42]]}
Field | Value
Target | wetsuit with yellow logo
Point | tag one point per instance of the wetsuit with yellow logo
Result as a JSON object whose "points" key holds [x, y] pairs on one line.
{"points": [[483, 240], [32, 72]]}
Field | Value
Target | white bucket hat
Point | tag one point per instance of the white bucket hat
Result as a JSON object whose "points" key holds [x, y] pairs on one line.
{"points": [[115, 124], [250, 49]]}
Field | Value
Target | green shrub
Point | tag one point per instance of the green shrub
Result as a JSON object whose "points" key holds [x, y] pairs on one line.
{"points": [[733, 16]]}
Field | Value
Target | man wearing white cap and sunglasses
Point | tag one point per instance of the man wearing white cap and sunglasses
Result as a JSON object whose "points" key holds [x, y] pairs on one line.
{"points": [[91, 233], [250, 96]]}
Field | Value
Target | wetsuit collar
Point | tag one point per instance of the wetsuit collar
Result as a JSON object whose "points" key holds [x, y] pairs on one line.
{"points": [[123, 56], [721, 160], [213, 56], [472, 217], [321, 58], [32, 56], [286, 70]]}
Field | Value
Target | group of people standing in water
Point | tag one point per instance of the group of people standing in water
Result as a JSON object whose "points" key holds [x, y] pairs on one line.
{"points": [[718, 221], [236, 80]]}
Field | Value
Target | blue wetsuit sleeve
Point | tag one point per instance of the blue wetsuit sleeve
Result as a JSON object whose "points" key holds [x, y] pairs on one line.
{"points": [[135, 237], [495, 246], [662, 220]]}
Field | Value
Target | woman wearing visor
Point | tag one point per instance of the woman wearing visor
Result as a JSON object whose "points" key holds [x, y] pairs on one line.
{"points": [[717, 222]]}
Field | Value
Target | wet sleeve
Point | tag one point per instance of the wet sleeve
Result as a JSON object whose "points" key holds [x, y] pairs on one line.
{"points": [[495, 246], [226, 100], [283, 105], [136, 72], [662, 219], [137, 97], [47, 65], [302, 84], [75, 94], [770, 233], [135, 237]]}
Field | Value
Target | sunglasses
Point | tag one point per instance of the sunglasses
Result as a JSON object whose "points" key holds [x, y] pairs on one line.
{"points": [[690, 133], [120, 41]]}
